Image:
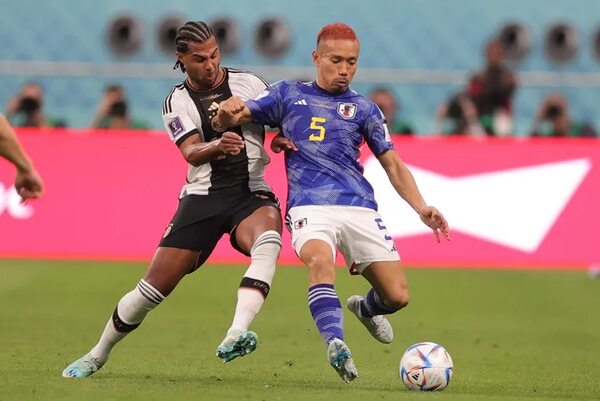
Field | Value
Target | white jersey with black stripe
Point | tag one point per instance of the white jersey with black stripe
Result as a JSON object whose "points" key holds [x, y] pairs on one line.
{"points": [[187, 111]]}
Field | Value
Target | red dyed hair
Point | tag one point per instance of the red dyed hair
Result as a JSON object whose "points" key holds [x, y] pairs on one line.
{"points": [[337, 30]]}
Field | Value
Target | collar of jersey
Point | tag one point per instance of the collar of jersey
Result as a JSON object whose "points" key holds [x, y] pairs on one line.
{"points": [[316, 86], [211, 89]]}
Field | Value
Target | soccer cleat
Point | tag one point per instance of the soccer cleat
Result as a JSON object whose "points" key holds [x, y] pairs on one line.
{"points": [[379, 327], [82, 368], [233, 346], [340, 357]]}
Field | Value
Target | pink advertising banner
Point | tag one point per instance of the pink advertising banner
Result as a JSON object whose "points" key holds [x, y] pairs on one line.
{"points": [[510, 202]]}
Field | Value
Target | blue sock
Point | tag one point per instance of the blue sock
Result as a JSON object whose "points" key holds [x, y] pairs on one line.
{"points": [[372, 305], [326, 311]]}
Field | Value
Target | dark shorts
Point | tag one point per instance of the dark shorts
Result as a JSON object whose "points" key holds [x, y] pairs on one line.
{"points": [[201, 220]]}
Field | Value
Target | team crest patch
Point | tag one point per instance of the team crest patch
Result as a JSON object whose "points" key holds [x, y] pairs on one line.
{"points": [[298, 224], [175, 126], [347, 110]]}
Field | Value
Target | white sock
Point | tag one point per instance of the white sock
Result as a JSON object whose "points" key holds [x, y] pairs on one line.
{"points": [[257, 281], [131, 310]]}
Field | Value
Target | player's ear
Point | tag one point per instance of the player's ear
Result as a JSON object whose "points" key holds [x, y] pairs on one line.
{"points": [[180, 57], [315, 57]]}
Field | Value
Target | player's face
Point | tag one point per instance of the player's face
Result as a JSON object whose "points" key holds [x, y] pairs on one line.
{"points": [[336, 62], [201, 63]]}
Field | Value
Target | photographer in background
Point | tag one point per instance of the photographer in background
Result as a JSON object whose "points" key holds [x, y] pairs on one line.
{"points": [[26, 109], [553, 120], [113, 113], [385, 99], [492, 90], [458, 116]]}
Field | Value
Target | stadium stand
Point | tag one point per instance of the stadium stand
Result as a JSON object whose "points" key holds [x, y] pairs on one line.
{"points": [[424, 49]]}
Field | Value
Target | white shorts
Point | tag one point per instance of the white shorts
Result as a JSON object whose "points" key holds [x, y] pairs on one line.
{"points": [[358, 232]]}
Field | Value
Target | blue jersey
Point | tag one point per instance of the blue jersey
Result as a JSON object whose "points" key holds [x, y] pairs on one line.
{"points": [[328, 131]]}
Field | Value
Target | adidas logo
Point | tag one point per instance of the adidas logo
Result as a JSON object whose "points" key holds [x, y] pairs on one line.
{"points": [[301, 102]]}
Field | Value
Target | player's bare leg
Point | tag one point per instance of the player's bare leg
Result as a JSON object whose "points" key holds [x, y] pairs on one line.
{"points": [[388, 295], [325, 305], [259, 235], [167, 268]]}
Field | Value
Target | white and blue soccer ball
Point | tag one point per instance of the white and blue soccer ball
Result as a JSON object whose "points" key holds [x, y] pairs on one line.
{"points": [[426, 366]]}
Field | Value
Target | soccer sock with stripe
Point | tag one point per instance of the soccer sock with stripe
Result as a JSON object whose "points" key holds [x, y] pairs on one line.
{"points": [[256, 283], [326, 311], [129, 313], [372, 305]]}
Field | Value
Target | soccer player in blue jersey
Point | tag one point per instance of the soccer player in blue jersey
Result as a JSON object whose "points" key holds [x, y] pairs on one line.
{"points": [[330, 204]]}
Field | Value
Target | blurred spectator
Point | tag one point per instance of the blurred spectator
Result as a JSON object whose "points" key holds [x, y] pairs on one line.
{"points": [[385, 99], [26, 108], [112, 112], [458, 117], [553, 120], [492, 89]]}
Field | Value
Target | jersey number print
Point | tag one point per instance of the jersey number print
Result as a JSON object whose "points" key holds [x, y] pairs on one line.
{"points": [[314, 124]]}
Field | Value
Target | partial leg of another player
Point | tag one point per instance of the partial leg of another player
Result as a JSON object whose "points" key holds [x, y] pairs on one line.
{"points": [[388, 295], [325, 305], [259, 235], [167, 268]]}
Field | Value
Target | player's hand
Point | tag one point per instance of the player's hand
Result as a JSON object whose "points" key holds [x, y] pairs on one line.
{"points": [[281, 143], [231, 143], [28, 184], [436, 221], [228, 111]]}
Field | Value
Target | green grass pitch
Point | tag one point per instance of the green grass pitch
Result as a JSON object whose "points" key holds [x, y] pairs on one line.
{"points": [[513, 335]]}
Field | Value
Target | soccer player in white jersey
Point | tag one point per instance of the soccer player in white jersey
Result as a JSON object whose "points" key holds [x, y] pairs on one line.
{"points": [[330, 204], [225, 192]]}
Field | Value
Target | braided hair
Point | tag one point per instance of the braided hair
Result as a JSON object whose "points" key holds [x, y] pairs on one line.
{"points": [[191, 32]]}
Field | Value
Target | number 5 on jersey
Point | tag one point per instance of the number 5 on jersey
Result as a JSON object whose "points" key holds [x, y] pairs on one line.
{"points": [[316, 123]]}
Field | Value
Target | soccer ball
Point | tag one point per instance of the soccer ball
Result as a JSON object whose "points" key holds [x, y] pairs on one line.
{"points": [[426, 366]]}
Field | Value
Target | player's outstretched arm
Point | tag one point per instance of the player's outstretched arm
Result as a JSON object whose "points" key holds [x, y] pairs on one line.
{"points": [[406, 186], [232, 112], [27, 181]]}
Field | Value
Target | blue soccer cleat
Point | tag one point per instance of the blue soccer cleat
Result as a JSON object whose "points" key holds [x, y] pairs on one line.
{"points": [[340, 357], [237, 345], [82, 368]]}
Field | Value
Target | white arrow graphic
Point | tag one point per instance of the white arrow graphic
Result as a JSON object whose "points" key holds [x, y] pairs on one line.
{"points": [[512, 207]]}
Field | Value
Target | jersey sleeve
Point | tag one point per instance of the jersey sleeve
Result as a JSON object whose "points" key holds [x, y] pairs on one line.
{"points": [[376, 131], [176, 119], [258, 85], [266, 108]]}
